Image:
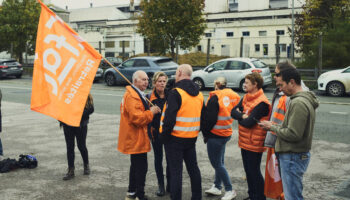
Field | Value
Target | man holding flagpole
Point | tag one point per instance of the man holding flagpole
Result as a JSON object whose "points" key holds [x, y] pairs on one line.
{"points": [[133, 138]]}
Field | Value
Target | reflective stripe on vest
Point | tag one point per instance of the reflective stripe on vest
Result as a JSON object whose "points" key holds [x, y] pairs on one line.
{"points": [[227, 100], [188, 116], [281, 109]]}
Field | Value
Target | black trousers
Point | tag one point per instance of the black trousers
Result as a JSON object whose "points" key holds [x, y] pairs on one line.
{"points": [[70, 133], [137, 175], [251, 162], [158, 162], [176, 154]]}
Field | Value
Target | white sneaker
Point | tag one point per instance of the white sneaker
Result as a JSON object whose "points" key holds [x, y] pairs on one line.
{"points": [[229, 195], [213, 191]]}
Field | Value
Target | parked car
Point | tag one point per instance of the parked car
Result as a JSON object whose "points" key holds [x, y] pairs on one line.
{"points": [[10, 67], [99, 75], [335, 82], [149, 64], [113, 60], [234, 70]]}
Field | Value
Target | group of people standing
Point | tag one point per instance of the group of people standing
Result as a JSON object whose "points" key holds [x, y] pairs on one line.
{"points": [[172, 119]]}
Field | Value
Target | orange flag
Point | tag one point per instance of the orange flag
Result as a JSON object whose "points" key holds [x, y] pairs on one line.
{"points": [[273, 182], [64, 69]]}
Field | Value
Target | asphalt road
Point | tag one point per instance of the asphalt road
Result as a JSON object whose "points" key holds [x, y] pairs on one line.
{"points": [[332, 121]]}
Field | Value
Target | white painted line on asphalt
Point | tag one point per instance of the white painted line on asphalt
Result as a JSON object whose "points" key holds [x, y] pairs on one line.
{"points": [[12, 87], [113, 95], [339, 113]]}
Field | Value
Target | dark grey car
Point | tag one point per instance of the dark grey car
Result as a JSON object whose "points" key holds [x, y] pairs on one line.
{"points": [[10, 67], [149, 64]]}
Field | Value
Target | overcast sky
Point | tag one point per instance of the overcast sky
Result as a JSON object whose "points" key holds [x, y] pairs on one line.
{"points": [[74, 4]]}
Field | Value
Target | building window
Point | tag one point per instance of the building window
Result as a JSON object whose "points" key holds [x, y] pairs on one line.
{"points": [[266, 49], [126, 43], [262, 33], [126, 54], [280, 32], [283, 47], [229, 34], [207, 35], [245, 33], [257, 47], [199, 48], [109, 44]]}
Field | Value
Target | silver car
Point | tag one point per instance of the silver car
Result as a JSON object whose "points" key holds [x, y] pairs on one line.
{"points": [[234, 70]]}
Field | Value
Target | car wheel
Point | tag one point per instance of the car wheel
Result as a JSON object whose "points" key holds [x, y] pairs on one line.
{"points": [[110, 79], [241, 85], [19, 76], [335, 89], [199, 82]]}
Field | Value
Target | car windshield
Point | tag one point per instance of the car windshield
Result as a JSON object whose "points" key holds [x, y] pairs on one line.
{"points": [[165, 62], [259, 64]]}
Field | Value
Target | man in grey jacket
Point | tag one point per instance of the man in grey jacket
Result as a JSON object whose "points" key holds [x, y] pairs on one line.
{"points": [[294, 135]]}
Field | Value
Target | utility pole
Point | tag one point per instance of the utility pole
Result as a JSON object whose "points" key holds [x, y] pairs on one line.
{"points": [[320, 56], [292, 45], [241, 48], [208, 51], [278, 49]]}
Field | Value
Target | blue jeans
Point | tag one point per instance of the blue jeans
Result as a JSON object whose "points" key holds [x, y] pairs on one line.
{"points": [[293, 166], [216, 154]]}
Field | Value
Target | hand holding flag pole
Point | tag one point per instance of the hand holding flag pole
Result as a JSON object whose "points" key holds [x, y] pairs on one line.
{"points": [[127, 80]]}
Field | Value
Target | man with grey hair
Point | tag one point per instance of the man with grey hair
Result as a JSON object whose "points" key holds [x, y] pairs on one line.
{"points": [[180, 125], [135, 115]]}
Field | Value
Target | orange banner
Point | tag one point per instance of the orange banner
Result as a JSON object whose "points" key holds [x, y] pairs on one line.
{"points": [[273, 181], [64, 69]]}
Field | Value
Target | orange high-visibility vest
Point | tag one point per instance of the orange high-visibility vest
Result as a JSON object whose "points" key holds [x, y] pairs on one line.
{"points": [[253, 138], [188, 116], [281, 109], [273, 183], [227, 100]]}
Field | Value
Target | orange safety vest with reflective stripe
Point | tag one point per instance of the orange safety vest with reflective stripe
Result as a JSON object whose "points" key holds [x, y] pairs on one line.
{"points": [[253, 138], [273, 183], [281, 109], [227, 100], [188, 116]]}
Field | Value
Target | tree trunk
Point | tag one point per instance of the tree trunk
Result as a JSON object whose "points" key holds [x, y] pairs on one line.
{"points": [[172, 48]]}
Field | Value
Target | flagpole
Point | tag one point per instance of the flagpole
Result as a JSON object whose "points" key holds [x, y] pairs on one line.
{"points": [[127, 80]]}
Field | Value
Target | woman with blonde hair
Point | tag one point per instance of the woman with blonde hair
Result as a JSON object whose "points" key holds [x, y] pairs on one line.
{"points": [[158, 98], [217, 130], [80, 133], [253, 107]]}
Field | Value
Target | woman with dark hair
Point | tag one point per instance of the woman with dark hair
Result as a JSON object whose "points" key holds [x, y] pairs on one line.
{"points": [[70, 133], [158, 98], [253, 107]]}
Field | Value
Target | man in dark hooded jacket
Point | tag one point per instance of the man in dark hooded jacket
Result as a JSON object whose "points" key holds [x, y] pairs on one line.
{"points": [[294, 135], [180, 125]]}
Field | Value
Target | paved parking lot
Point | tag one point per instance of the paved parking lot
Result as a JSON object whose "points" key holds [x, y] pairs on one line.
{"points": [[28, 132]]}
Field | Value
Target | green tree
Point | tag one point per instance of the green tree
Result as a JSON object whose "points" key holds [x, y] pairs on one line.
{"points": [[19, 21], [331, 19], [167, 22]]}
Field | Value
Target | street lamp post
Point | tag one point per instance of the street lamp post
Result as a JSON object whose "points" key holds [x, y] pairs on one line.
{"points": [[292, 45]]}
